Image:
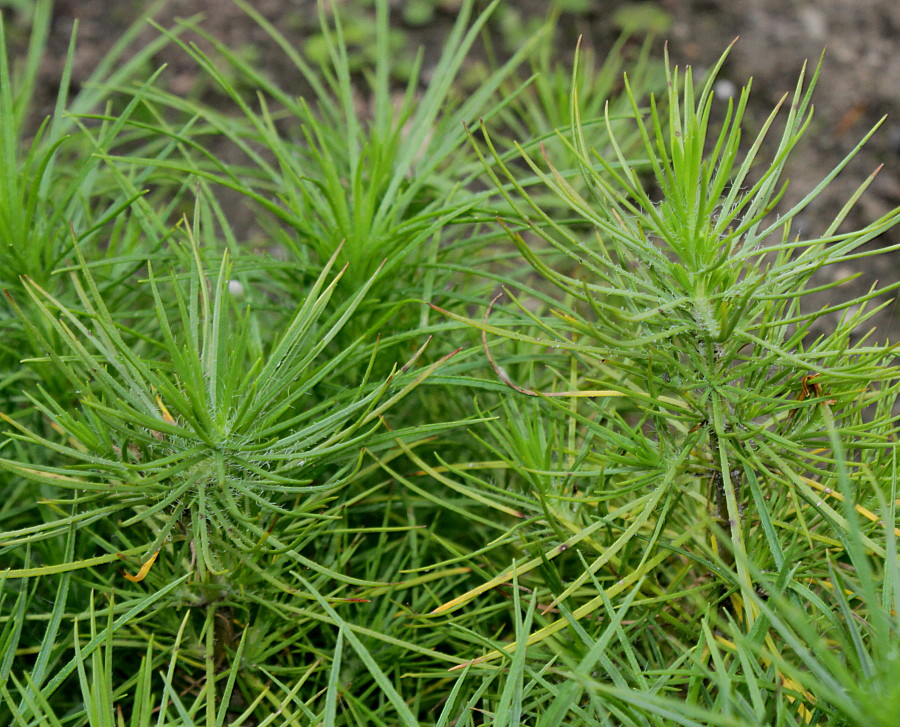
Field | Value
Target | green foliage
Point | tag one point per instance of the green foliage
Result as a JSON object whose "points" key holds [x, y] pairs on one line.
{"points": [[375, 185], [204, 433], [617, 473], [644, 17], [52, 183]]}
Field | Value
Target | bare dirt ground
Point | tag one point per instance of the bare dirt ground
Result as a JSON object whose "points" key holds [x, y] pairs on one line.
{"points": [[860, 80]]}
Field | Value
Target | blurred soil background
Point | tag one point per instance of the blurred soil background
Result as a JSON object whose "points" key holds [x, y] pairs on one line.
{"points": [[860, 80]]}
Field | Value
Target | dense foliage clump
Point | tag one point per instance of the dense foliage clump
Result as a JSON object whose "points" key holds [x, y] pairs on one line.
{"points": [[506, 409]]}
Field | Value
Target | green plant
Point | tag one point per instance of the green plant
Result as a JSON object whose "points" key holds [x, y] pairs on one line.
{"points": [[380, 185], [53, 184], [539, 117], [256, 491], [693, 396], [201, 435]]}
